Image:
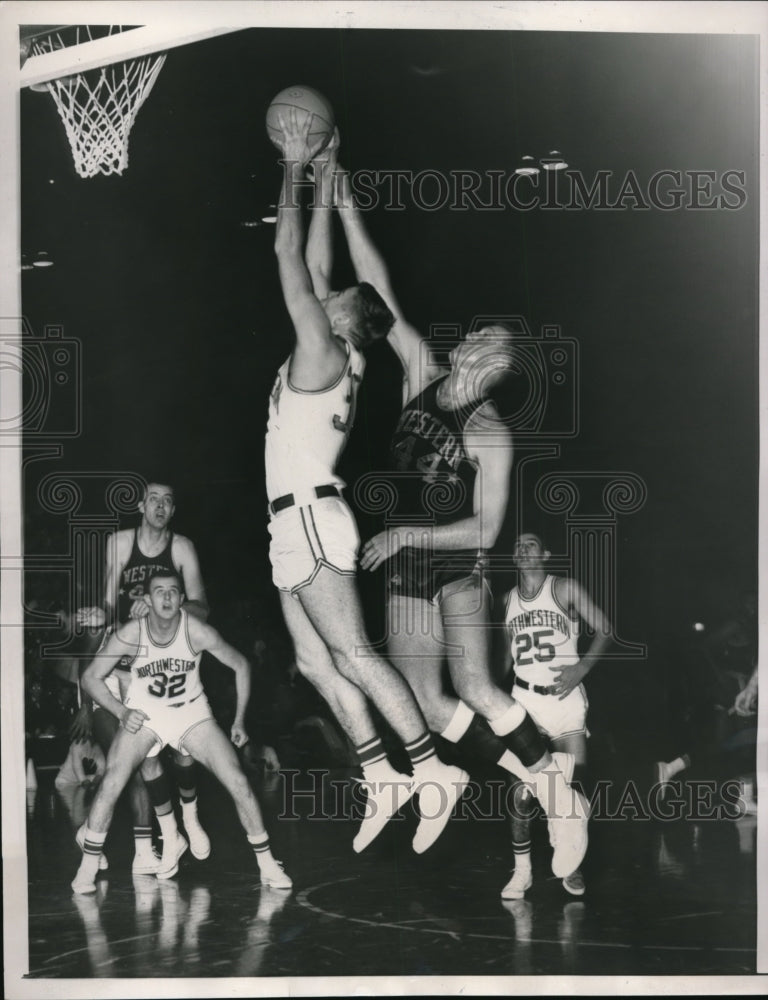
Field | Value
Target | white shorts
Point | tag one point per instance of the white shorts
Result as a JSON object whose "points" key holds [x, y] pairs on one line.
{"points": [[304, 539], [555, 718], [170, 725]]}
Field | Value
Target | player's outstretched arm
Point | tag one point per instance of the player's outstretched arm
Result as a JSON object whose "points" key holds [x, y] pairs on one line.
{"points": [[493, 456], [317, 356], [319, 254], [123, 642], [370, 266], [185, 558], [203, 637]]}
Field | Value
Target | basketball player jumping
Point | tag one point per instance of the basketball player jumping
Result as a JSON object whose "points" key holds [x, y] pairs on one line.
{"points": [[133, 554], [165, 704], [450, 440], [314, 538], [543, 618]]}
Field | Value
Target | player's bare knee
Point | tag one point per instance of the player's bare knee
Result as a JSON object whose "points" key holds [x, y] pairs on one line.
{"points": [[477, 693]]}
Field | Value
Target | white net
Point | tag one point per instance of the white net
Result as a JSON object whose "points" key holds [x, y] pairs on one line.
{"points": [[99, 107]]}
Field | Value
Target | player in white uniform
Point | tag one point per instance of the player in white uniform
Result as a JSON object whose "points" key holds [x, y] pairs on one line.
{"points": [[165, 705], [543, 619], [132, 556], [314, 539]]}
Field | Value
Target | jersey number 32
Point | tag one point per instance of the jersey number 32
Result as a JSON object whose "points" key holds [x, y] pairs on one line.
{"points": [[162, 686]]}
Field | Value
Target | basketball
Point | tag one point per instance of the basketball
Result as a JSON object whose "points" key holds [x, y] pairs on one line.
{"points": [[307, 101]]}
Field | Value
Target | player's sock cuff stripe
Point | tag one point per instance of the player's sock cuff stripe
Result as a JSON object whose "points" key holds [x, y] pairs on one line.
{"points": [[423, 742]]}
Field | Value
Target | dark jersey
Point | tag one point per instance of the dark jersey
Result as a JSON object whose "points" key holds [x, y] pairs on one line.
{"points": [[434, 480], [136, 573]]}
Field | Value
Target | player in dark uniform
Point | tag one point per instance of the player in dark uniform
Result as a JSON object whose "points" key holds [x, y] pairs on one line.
{"points": [[133, 556], [453, 458]]}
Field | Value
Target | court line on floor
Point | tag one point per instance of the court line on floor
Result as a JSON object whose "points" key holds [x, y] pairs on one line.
{"points": [[303, 900]]}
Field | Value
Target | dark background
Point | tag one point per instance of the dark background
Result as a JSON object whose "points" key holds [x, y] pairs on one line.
{"points": [[179, 312]]}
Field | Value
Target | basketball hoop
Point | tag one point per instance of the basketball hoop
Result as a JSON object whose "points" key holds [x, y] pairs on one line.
{"points": [[99, 107]]}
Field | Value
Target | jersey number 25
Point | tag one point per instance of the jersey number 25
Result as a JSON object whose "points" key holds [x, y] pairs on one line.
{"points": [[527, 641]]}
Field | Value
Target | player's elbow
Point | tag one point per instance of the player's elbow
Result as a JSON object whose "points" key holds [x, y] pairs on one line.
{"points": [[489, 529]]}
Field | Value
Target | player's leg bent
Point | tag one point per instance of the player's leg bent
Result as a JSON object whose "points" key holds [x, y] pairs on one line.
{"points": [[125, 754], [416, 649], [207, 743], [105, 726], [314, 662], [466, 615], [332, 604], [387, 789]]}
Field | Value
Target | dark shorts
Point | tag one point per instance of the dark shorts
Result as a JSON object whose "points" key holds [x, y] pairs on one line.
{"points": [[429, 577]]}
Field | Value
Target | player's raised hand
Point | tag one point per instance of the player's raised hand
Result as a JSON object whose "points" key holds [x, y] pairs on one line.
{"points": [[139, 609], [325, 162], [91, 617], [295, 137], [238, 735], [132, 719]]}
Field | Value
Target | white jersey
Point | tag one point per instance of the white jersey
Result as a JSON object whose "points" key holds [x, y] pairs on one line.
{"points": [[541, 632], [164, 674], [307, 430]]}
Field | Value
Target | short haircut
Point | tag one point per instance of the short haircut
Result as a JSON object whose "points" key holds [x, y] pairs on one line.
{"points": [[158, 482], [534, 534], [164, 574], [376, 318]]}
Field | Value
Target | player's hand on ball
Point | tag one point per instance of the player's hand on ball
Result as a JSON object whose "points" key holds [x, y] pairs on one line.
{"points": [[132, 719], [238, 735], [91, 617], [380, 548], [139, 609], [295, 141], [330, 154]]}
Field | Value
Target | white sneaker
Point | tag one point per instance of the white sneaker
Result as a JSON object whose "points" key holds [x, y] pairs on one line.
{"points": [[574, 883], [386, 796], [83, 885], [440, 786], [273, 874], [172, 852], [199, 842], [80, 840], [567, 812], [146, 862], [518, 885], [662, 773]]}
